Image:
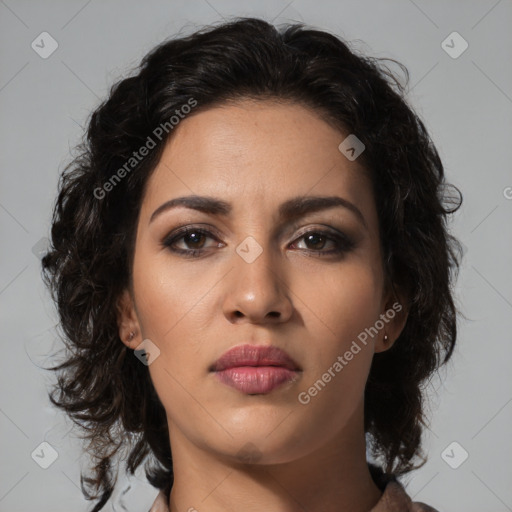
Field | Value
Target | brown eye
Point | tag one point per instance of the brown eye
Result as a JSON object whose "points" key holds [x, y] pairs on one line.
{"points": [[193, 237], [317, 240], [194, 240]]}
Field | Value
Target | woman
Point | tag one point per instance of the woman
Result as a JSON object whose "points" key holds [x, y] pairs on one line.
{"points": [[254, 276]]}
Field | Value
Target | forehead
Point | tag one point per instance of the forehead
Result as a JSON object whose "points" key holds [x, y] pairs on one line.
{"points": [[256, 153]]}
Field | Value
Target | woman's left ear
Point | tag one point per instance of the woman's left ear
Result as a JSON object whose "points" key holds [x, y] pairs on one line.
{"points": [[127, 321], [394, 317]]}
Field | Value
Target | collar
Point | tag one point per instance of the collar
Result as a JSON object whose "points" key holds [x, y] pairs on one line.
{"points": [[393, 499]]}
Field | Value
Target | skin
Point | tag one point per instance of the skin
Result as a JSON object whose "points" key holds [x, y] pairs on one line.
{"points": [[255, 155]]}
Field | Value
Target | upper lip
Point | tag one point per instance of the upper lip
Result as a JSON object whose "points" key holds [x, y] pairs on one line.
{"points": [[254, 355]]}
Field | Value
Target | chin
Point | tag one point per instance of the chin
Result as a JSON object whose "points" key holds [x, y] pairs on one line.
{"points": [[259, 444]]}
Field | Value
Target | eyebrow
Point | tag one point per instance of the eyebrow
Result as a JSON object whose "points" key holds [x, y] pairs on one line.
{"points": [[289, 210]]}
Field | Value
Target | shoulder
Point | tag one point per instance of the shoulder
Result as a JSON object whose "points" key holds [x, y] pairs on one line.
{"points": [[160, 503], [395, 499]]}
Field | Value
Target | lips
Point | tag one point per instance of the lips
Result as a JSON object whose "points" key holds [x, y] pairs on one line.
{"points": [[255, 369], [254, 355]]}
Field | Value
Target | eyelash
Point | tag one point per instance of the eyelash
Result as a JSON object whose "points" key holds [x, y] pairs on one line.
{"points": [[345, 244]]}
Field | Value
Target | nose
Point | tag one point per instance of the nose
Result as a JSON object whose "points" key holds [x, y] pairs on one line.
{"points": [[257, 291]]}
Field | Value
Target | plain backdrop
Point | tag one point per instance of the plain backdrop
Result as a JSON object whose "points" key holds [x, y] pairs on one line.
{"points": [[466, 101]]}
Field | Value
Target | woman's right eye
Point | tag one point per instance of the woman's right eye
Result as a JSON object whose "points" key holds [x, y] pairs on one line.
{"points": [[192, 237]]}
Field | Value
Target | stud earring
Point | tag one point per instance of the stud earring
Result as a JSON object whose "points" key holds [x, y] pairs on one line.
{"points": [[385, 338], [131, 336]]}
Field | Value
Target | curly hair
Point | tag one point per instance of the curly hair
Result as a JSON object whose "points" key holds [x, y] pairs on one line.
{"points": [[100, 385]]}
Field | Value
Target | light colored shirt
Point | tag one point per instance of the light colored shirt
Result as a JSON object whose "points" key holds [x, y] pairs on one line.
{"points": [[393, 499]]}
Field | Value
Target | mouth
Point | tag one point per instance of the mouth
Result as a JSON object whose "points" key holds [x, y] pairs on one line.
{"points": [[256, 369]]}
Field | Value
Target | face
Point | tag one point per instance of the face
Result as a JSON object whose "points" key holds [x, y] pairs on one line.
{"points": [[250, 271]]}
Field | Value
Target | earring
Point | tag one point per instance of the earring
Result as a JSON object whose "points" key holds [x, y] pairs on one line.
{"points": [[131, 336], [385, 338]]}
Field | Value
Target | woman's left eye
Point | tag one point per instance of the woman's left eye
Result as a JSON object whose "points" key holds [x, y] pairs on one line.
{"points": [[315, 239]]}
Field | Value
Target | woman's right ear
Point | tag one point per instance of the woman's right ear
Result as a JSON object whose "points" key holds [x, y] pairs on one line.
{"points": [[127, 321]]}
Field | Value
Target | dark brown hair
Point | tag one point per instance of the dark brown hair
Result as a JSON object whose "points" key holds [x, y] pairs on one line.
{"points": [[100, 384]]}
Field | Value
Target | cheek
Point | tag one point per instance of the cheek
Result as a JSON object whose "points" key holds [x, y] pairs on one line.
{"points": [[171, 309], [342, 303], [167, 296], [340, 309], [337, 370], [175, 311]]}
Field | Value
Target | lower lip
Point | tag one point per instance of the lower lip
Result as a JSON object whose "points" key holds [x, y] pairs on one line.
{"points": [[256, 380]]}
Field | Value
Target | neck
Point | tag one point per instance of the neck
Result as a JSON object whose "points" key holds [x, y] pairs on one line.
{"points": [[333, 478]]}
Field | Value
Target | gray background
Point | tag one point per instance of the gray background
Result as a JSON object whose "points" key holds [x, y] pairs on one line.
{"points": [[467, 104]]}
